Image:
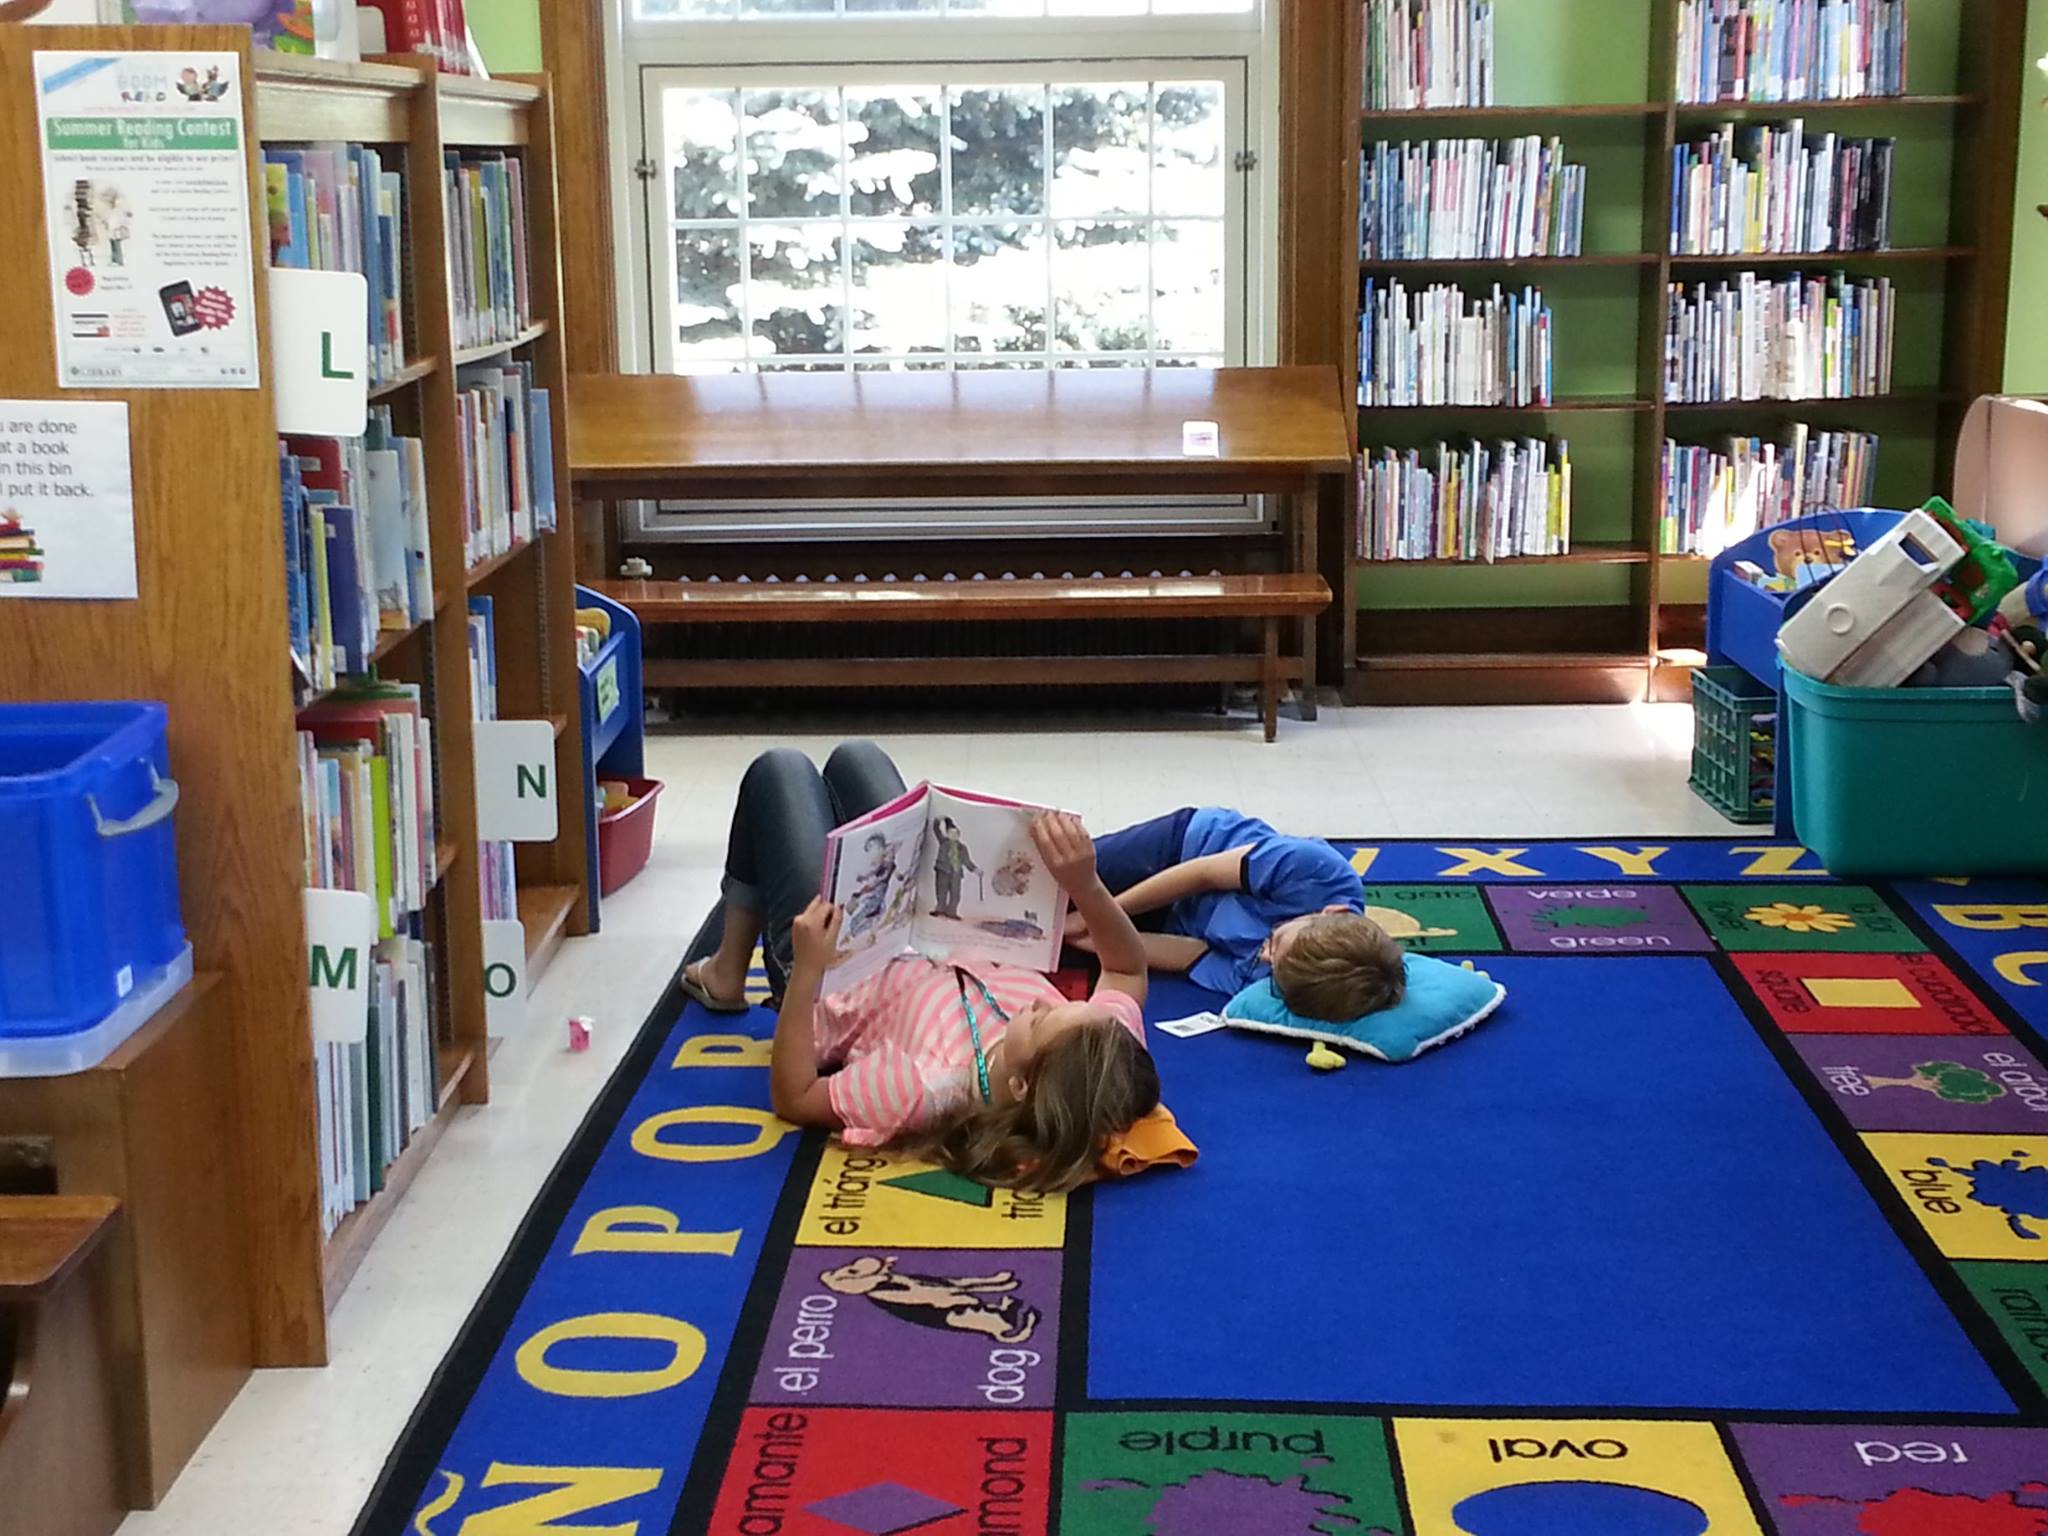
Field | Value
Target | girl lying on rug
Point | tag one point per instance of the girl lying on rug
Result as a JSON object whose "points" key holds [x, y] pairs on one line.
{"points": [[985, 1069]]}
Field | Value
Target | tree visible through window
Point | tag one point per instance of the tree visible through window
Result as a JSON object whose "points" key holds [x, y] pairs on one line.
{"points": [[934, 224]]}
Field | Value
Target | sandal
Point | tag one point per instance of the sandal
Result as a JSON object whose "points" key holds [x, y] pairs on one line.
{"points": [[697, 991]]}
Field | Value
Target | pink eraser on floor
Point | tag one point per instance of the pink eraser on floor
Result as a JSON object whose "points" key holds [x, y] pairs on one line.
{"points": [[579, 1033]]}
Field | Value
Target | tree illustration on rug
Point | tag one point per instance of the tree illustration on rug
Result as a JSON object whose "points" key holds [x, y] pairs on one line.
{"points": [[1949, 1081]]}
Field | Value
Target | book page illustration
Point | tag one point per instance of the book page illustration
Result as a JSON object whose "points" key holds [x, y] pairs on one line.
{"points": [[871, 873], [983, 891]]}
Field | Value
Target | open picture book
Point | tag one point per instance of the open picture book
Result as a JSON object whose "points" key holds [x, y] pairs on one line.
{"points": [[943, 873]]}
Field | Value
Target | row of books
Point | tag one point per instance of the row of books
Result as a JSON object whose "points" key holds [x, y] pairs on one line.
{"points": [[1772, 190], [1791, 50], [508, 457], [366, 784], [1439, 346], [358, 551], [489, 276], [334, 208], [1789, 338], [439, 28], [1452, 199], [1428, 53], [1469, 501], [496, 874], [1713, 497]]}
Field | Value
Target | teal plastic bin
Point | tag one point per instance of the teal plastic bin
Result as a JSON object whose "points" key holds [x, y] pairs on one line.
{"points": [[1916, 781]]}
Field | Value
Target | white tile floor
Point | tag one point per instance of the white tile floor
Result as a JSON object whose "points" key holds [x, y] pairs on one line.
{"points": [[299, 1450]]}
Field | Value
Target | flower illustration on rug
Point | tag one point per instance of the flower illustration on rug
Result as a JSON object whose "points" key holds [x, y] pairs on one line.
{"points": [[1794, 918]]}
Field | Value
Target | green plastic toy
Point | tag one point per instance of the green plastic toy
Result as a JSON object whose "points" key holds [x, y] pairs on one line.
{"points": [[1980, 581]]}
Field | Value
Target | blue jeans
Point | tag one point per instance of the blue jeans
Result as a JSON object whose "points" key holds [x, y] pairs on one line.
{"points": [[775, 853], [1137, 853]]}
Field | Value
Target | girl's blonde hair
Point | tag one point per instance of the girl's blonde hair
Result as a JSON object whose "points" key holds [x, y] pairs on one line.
{"points": [[1088, 1084]]}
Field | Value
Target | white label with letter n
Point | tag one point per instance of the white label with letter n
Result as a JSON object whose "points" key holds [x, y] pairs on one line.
{"points": [[515, 781]]}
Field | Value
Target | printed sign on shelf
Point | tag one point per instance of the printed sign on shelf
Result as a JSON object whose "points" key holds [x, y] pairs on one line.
{"points": [[67, 499], [146, 207], [515, 781], [504, 975], [341, 928], [320, 351]]}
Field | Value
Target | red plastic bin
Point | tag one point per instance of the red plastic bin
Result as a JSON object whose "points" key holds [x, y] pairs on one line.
{"points": [[625, 837]]}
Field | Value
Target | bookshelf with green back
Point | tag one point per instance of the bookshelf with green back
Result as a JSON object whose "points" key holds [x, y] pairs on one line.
{"points": [[1615, 618], [208, 635]]}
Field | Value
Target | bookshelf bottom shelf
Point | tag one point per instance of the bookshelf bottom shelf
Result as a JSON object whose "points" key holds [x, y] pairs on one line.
{"points": [[544, 911], [1499, 677], [351, 1240]]}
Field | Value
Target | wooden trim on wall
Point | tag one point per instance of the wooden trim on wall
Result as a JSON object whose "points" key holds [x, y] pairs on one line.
{"points": [[1319, 50], [572, 34]]}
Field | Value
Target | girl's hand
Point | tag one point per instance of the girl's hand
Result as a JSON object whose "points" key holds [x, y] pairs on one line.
{"points": [[814, 936], [1077, 926], [1067, 849]]}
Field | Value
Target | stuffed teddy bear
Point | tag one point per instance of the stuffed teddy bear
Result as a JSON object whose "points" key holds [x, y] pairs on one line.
{"points": [[1808, 555]]}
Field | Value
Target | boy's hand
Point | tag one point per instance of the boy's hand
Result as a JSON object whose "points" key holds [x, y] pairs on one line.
{"points": [[1077, 926], [1067, 849], [814, 936]]}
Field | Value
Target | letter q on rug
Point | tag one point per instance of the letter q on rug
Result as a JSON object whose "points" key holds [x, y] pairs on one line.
{"points": [[1442, 1002]]}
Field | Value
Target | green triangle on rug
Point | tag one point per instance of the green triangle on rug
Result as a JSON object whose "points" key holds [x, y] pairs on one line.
{"points": [[941, 1184]]}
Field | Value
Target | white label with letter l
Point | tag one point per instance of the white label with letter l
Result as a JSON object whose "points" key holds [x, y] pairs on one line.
{"points": [[504, 975], [515, 781], [320, 351], [341, 927]]}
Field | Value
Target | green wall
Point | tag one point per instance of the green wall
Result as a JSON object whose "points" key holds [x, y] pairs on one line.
{"points": [[508, 33], [2026, 356]]}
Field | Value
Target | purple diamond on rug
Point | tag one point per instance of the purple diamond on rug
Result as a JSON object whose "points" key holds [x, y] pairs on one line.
{"points": [[882, 1509]]}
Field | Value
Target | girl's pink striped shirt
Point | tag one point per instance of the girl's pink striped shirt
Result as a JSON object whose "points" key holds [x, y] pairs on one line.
{"points": [[900, 1041]]}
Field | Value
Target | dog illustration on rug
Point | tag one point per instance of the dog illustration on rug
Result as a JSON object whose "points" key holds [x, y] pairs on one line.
{"points": [[984, 1304]]}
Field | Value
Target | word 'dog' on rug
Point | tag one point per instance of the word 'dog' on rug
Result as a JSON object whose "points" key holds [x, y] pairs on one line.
{"points": [[1732, 1221]]}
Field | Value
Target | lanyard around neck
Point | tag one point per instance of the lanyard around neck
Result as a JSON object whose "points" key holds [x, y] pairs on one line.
{"points": [[962, 977]]}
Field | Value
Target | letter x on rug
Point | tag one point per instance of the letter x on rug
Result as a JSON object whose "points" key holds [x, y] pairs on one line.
{"points": [[1732, 1220]]}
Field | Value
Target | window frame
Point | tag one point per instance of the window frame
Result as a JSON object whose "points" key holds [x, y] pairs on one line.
{"points": [[715, 51], [660, 320]]}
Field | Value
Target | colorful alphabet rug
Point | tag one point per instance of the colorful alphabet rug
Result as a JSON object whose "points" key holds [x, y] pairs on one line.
{"points": [[1732, 1220]]}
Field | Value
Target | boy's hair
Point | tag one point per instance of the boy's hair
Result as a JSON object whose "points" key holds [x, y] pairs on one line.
{"points": [[1341, 966], [1089, 1083]]}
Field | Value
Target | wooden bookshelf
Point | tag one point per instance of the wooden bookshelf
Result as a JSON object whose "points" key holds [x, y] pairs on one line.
{"points": [[208, 634], [1606, 620]]}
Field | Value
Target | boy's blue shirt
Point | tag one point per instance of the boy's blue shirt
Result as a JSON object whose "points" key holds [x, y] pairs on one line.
{"points": [[1284, 877]]}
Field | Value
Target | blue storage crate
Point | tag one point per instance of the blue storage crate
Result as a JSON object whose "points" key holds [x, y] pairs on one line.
{"points": [[1743, 619], [92, 916], [614, 724]]}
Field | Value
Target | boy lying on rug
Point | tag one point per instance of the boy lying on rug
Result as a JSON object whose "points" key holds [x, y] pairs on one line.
{"points": [[1225, 898], [982, 1068]]}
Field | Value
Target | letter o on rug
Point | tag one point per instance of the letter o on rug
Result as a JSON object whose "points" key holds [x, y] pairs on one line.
{"points": [[686, 1346]]}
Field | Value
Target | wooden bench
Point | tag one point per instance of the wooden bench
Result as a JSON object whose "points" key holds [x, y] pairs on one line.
{"points": [[60, 1464], [1271, 600]]}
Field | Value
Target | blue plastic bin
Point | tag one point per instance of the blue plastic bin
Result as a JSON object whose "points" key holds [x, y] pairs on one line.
{"points": [[91, 897], [1917, 781], [614, 727]]}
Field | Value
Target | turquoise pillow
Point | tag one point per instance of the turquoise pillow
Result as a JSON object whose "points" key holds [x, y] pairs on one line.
{"points": [[1442, 1002]]}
